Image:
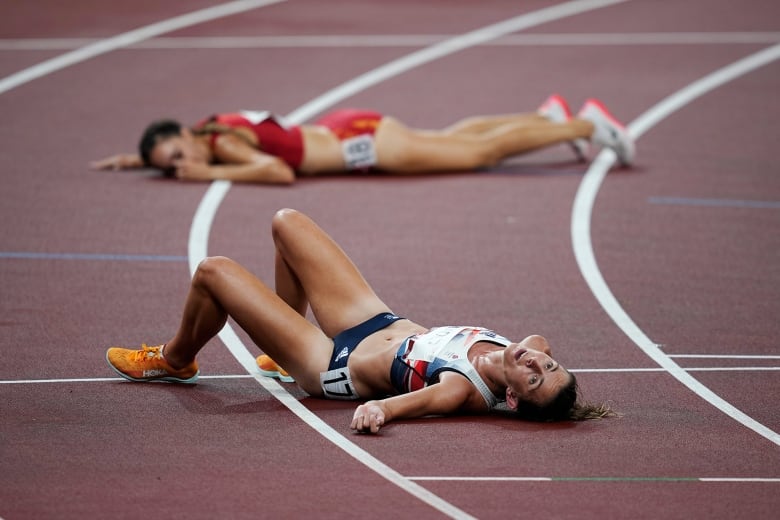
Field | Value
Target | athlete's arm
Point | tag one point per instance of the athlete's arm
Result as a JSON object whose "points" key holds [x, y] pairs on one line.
{"points": [[239, 162], [122, 161], [453, 393]]}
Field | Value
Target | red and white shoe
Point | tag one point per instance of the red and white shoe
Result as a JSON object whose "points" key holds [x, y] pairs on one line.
{"points": [[608, 131], [556, 109]]}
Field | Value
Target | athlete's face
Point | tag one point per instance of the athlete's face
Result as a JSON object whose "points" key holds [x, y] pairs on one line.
{"points": [[531, 373], [170, 152]]}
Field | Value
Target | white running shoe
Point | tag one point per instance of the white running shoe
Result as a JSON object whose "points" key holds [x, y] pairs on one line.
{"points": [[556, 109], [608, 131]]}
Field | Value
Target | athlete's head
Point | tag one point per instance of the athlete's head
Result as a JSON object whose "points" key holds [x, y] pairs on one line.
{"points": [[164, 143], [539, 388]]}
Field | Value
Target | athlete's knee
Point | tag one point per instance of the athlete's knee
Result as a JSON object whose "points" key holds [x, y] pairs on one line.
{"points": [[283, 217], [211, 269], [289, 224]]}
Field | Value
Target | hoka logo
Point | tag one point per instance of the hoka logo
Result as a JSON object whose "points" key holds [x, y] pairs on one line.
{"points": [[344, 352], [156, 372]]}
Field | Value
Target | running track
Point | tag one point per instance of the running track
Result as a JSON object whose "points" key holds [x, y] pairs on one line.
{"points": [[685, 243]]}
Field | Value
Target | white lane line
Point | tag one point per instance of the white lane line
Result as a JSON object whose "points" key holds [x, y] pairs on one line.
{"points": [[129, 38], [198, 240], [658, 369], [253, 375], [583, 248], [105, 379], [402, 40], [598, 479], [719, 356], [716, 203]]}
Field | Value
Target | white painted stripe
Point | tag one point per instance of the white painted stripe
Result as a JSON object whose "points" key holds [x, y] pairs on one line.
{"points": [[716, 203], [624, 39], [129, 38], [403, 40], [691, 369], [698, 88], [253, 373], [596, 479], [583, 248], [738, 479], [730, 369], [198, 240], [483, 479], [720, 356], [105, 379]]}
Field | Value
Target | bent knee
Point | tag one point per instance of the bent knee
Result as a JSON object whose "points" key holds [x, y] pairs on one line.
{"points": [[283, 216], [285, 221], [211, 268]]}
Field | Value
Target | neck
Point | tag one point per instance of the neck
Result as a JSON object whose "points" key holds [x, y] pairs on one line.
{"points": [[489, 363]]}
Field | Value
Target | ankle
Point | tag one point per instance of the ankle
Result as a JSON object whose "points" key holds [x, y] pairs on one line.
{"points": [[172, 360], [583, 128]]}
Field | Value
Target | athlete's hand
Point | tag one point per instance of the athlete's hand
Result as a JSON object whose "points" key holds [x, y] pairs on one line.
{"points": [[189, 170], [122, 161], [368, 417]]}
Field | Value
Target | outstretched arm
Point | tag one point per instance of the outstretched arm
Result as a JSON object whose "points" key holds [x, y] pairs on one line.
{"points": [[122, 161], [454, 393]]}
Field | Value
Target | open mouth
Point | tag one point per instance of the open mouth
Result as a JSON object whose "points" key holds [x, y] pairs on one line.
{"points": [[520, 353]]}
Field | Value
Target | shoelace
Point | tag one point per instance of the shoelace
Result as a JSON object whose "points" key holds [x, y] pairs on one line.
{"points": [[146, 353]]}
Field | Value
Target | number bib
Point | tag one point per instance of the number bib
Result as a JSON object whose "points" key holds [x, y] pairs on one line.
{"points": [[359, 152], [337, 384]]}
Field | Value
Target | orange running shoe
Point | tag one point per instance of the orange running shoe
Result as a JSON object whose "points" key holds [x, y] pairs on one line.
{"points": [[148, 364], [269, 368]]}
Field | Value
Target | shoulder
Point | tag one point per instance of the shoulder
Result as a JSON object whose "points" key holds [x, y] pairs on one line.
{"points": [[461, 391]]}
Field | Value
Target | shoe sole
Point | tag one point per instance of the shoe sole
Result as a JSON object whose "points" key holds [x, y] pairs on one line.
{"points": [[276, 375], [166, 379]]}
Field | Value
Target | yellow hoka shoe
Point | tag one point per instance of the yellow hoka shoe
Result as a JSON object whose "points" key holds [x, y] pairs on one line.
{"points": [[148, 364], [269, 368]]}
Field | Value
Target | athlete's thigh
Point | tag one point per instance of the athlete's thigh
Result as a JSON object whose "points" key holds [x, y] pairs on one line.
{"points": [[402, 150], [281, 332], [338, 294]]}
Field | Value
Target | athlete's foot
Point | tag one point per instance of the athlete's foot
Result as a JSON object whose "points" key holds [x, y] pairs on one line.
{"points": [[607, 131], [556, 109], [269, 368], [148, 364]]}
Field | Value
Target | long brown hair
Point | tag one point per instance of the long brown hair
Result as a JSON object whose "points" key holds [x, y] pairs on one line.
{"points": [[566, 406]]}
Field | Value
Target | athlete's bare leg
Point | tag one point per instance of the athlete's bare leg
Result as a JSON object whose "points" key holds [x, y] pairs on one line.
{"points": [[311, 268], [405, 151], [482, 124]]}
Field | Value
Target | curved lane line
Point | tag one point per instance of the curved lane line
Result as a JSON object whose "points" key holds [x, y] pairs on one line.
{"points": [[583, 248], [129, 38], [206, 211]]}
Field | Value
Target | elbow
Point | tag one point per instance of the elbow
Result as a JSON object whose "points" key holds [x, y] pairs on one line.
{"points": [[282, 174], [287, 178]]}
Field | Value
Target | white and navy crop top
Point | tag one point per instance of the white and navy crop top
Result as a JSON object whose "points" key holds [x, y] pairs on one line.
{"points": [[421, 358]]}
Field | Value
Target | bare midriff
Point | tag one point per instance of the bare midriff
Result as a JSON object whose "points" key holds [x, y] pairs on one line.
{"points": [[369, 364]]}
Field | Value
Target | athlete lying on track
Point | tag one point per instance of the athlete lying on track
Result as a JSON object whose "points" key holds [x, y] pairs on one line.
{"points": [[259, 147], [361, 349]]}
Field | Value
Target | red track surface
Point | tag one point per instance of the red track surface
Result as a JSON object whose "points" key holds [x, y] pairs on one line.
{"points": [[490, 248]]}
